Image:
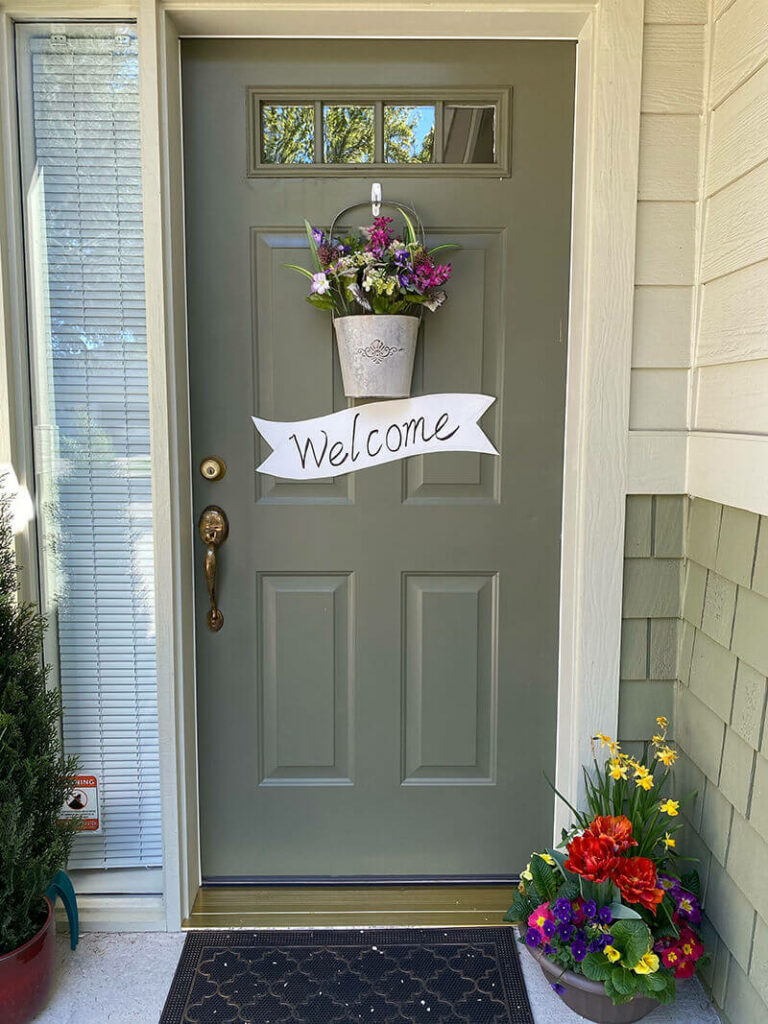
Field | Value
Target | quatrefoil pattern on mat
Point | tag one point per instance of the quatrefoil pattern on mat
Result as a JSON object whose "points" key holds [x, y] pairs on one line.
{"points": [[389, 976]]}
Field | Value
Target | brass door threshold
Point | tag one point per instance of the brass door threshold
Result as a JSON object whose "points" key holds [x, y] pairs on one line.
{"points": [[350, 906]]}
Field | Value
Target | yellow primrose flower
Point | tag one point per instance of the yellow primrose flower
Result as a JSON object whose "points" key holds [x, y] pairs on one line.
{"points": [[546, 858], [618, 770], [527, 873], [670, 807], [667, 756], [649, 964], [669, 842], [661, 720], [612, 953]]}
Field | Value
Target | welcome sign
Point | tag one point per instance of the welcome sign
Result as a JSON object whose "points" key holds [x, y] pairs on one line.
{"points": [[373, 434]]}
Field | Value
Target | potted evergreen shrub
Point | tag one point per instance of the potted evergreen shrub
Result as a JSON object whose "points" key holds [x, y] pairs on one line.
{"points": [[34, 782]]}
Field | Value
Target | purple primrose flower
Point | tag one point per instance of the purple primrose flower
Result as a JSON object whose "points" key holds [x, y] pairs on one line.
{"points": [[590, 909], [563, 910], [604, 915], [578, 951], [532, 937], [565, 932]]}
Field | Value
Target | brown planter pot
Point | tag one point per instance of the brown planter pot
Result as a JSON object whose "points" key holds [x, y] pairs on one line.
{"points": [[26, 974], [588, 998]]}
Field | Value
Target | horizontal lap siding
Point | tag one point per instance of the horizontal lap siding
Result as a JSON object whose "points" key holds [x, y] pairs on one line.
{"points": [[668, 188], [732, 343]]}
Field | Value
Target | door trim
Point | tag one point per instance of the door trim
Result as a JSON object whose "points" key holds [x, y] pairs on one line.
{"points": [[609, 35]]}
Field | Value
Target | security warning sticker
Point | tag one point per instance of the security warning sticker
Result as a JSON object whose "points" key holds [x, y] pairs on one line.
{"points": [[84, 803]]}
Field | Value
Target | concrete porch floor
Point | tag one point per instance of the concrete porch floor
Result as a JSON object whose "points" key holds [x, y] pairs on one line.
{"points": [[124, 979]]}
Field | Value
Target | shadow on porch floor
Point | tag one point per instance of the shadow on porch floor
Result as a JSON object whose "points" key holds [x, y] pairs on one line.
{"points": [[124, 978]]}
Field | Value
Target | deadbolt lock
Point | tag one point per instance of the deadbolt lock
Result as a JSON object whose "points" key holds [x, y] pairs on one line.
{"points": [[213, 468]]}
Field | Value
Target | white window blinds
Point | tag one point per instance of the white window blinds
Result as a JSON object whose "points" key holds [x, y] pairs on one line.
{"points": [[79, 115]]}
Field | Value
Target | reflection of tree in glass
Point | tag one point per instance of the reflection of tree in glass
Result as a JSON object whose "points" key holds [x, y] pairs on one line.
{"points": [[400, 135], [287, 134], [348, 135]]}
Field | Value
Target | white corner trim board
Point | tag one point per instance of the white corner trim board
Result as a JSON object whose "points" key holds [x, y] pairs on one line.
{"points": [[610, 36]]}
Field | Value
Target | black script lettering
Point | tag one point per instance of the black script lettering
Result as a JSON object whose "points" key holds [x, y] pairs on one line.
{"points": [[309, 445], [368, 443], [355, 452], [399, 445], [411, 426], [442, 421], [333, 455]]}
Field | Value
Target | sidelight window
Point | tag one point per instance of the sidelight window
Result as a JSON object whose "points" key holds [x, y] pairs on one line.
{"points": [[337, 132], [81, 176]]}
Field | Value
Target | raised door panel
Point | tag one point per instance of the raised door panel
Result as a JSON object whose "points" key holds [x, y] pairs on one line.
{"points": [[306, 679], [296, 371], [449, 679], [463, 352]]}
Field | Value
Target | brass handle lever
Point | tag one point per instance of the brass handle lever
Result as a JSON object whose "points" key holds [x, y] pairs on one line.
{"points": [[214, 530]]}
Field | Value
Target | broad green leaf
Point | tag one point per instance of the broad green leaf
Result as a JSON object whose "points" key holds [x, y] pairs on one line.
{"points": [[624, 981], [320, 301], [691, 882], [632, 939], [595, 967], [621, 912], [544, 877]]}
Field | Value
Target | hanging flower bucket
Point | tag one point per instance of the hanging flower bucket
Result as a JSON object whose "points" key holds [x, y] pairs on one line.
{"points": [[376, 285], [376, 354]]}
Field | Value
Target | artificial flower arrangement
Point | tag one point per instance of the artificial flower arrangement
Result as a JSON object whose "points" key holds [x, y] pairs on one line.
{"points": [[374, 271], [611, 903]]}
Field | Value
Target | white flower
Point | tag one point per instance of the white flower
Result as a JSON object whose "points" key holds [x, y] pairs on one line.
{"points": [[320, 284]]}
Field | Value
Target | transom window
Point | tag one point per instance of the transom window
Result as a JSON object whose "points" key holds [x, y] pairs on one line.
{"points": [[446, 132]]}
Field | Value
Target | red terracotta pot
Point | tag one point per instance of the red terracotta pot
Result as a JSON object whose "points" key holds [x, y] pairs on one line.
{"points": [[26, 974]]}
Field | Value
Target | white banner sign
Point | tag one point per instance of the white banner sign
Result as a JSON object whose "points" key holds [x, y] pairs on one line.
{"points": [[371, 434]]}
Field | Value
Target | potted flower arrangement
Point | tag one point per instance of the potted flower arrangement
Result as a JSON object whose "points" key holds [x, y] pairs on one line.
{"points": [[375, 284], [34, 782], [609, 916]]}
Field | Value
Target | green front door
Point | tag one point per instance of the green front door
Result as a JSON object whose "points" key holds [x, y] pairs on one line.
{"points": [[381, 699]]}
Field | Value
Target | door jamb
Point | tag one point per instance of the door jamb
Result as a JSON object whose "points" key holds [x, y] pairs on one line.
{"points": [[609, 34]]}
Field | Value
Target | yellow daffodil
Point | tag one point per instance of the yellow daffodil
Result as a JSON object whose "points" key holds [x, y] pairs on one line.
{"points": [[667, 756], [644, 782], [670, 807], [662, 721], [612, 953], [618, 770], [658, 740], [649, 964], [605, 741], [669, 842]]}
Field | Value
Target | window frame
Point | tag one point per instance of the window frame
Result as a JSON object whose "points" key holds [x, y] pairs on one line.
{"points": [[498, 98]]}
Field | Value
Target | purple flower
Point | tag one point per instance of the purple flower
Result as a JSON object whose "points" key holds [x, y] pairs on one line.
{"points": [[595, 946], [532, 937], [402, 258], [317, 236], [688, 906], [590, 909], [606, 940], [565, 932], [670, 884], [578, 951], [560, 989], [563, 910], [581, 936], [404, 279], [548, 928], [604, 915]]}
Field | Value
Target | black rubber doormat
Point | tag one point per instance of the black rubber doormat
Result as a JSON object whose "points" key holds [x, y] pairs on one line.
{"points": [[385, 976]]}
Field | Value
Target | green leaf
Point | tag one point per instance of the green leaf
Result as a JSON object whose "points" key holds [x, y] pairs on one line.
{"points": [[312, 245], [520, 910], [632, 939], [621, 912], [301, 270], [410, 234], [320, 301], [654, 982], [569, 890], [595, 967], [544, 877], [691, 882], [624, 981], [440, 248]]}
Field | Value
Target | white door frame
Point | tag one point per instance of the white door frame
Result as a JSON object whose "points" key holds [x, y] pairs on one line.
{"points": [[609, 35]]}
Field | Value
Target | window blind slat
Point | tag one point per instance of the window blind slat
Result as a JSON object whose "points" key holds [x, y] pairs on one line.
{"points": [[94, 425]]}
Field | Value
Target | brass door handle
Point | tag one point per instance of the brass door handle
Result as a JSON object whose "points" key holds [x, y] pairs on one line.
{"points": [[214, 530]]}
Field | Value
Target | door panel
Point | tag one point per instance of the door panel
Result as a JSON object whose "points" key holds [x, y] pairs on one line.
{"points": [[381, 699]]}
